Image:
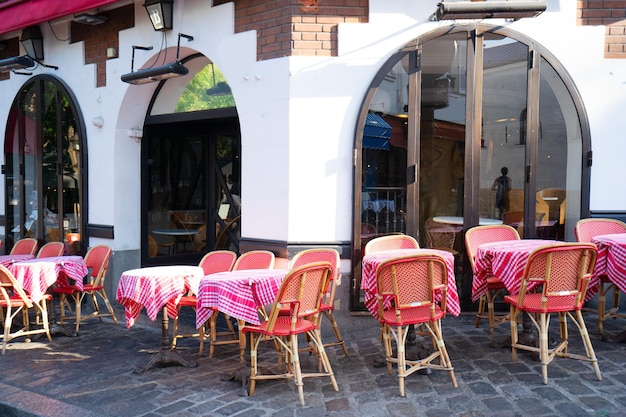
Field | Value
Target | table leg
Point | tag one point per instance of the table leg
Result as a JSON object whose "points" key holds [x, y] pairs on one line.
{"points": [[167, 355]]}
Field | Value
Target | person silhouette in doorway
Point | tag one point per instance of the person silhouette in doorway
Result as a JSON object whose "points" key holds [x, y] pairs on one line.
{"points": [[501, 186]]}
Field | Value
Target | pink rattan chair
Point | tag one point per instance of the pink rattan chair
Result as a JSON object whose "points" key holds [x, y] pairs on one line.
{"points": [[327, 306], [555, 280], [302, 291], [410, 285], [255, 259], [97, 259], [51, 249], [584, 231], [14, 300], [475, 237], [25, 246], [390, 242], [211, 263]]}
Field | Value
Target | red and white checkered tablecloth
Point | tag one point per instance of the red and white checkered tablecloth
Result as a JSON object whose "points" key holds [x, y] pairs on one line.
{"points": [[155, 287], [8, 260], [238, 293], [371, 262], [611, 259], [37, 275], [505, 260]]}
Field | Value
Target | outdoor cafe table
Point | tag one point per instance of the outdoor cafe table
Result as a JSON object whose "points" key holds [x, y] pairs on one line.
{"points": [[372, 260], [611, 261], [8, 260], [37, 275], [505, 260], [157, 288], [239, 294]]}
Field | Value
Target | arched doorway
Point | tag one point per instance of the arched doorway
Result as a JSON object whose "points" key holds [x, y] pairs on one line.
{"points": [[448, 115], [45, 155], [191, 167]]}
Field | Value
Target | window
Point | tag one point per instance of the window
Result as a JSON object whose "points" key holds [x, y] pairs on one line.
{"points": [[43, 166]]}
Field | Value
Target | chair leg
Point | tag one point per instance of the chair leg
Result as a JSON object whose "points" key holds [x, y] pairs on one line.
{"points": [[481, 309], [543, 346], [331, 318], [401, 358], [175, 329], [591, 354], [514, 335], [7, 328], [253, 363], [294, 361], [386, 335], [601, 307]]}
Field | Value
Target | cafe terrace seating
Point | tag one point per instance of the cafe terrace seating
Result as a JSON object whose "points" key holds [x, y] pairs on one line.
{"points": [[327, 306], [413, 283], [97, 260], [555, 280], [51, 249], [211, 263], [14, 300], [475, 237], [25, 246], [391, 242], [584, 231], [255, 259], [301, 294]]}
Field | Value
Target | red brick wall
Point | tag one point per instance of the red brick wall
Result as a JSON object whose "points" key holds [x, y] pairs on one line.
{"points": [[296, 27], [612, 14], [100, 37], [12, 49]]}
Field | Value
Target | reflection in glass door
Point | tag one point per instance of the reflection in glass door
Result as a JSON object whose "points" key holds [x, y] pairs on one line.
{"points": [[503, 140]]}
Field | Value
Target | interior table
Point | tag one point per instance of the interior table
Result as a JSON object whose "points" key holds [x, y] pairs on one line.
{"points": [[240, 294], [183, 236], [458, 220], [158, 289]]}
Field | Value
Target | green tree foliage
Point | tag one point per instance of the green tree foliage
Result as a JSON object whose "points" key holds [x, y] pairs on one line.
{"points": [[195, 97]]}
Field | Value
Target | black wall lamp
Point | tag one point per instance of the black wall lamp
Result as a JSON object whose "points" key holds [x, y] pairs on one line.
{"points": [[513, 10], [163, 72], [32, 41], [160, 12]]}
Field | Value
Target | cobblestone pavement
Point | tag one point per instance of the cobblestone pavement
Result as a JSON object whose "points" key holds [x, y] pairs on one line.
{"points": [[92, 375]]}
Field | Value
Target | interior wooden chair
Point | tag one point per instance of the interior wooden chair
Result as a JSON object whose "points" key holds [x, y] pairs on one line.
{"points": [[555, 280], [301, 294], [255, 259], [585, 230], [440, 236], [327, 306], [391, 242], [97, 259], [211, 263], [14, 300], [51, 249], [475, 237], [25, 246], [411, 284]]}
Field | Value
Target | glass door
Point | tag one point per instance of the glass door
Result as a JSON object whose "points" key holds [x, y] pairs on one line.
{"points": [[492, 132]]}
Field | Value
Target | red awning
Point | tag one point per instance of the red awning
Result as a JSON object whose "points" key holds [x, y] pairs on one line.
{"points": [[18, 14]]}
